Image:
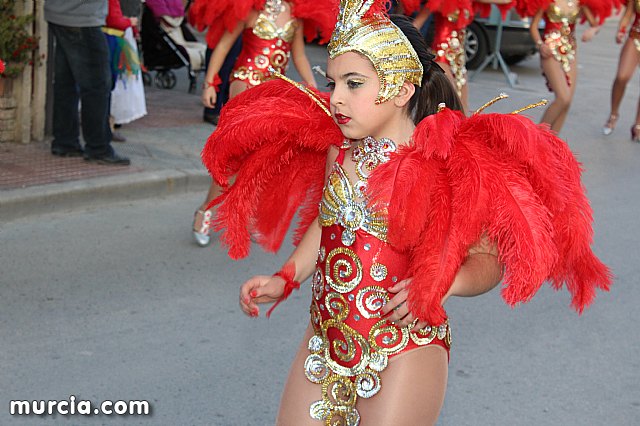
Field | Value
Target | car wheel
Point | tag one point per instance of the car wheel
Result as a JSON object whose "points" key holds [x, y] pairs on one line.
{"points": [[476, 46]]}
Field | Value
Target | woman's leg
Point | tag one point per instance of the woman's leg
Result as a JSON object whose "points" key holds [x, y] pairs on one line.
{"points": [[412, 390], [299, 393], [557, 111], [627, 64], [573, 77], [200, 231]]}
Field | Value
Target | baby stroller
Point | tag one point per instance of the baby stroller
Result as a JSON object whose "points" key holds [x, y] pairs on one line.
{"points": [[160, 53]]}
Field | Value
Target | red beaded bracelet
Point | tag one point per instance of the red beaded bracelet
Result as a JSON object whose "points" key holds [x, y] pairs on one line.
{"points": [[287, 273], [217, 81]]}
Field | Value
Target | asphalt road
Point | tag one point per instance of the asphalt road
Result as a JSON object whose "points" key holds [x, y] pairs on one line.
{"points": [[117, 303]]}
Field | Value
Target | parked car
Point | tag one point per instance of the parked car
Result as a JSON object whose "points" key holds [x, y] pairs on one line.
{"points": [[516, 45]]}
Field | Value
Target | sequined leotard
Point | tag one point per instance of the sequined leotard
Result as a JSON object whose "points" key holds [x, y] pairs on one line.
{"points": [[352, 343], [559, 33], [634, 32], [263, 46], [448, 44]]}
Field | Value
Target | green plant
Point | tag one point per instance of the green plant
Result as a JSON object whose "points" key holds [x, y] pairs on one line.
{"points": [[18, 48]]}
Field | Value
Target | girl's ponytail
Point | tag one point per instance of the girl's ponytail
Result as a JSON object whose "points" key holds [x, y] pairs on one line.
{"points": [[436, 87]]}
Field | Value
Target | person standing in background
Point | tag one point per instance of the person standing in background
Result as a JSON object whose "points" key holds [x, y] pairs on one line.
{"points": [[127, 97], [82, 74]]}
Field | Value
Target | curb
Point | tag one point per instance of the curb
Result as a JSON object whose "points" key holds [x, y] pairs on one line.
{"points": [[67, 196]]}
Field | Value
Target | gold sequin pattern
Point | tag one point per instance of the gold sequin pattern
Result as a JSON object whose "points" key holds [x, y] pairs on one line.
{"points": [[345, 273], [452, 51], [339, 204], [266, 29]]}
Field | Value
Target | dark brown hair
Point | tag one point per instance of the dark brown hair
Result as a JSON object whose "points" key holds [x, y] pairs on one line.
{"points": [[436, 86]]}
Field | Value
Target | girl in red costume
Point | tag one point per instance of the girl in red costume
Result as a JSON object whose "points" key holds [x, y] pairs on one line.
{"points": [[451, 19], [629, 61], [402, 204], [558, 48], [272, 32]]}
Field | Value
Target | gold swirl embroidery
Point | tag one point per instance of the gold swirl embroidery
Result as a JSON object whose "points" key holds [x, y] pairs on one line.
{"points": [[345, 273], [387, 338], [370, 301]]}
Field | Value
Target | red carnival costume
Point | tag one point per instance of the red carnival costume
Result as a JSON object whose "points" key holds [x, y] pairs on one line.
{"points": [[559, 31], [413, 212], [634, 32], [451, 18], [265, 45]]}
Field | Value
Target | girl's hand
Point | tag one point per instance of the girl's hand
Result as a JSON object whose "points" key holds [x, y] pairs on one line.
{"points": [[620, 36], [590, 33], [545, 51], [260, 289], [398, 309], [209, 97]]}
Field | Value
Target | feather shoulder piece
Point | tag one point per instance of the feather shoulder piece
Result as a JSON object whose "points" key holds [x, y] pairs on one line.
{"points": [[528, 8], [602, 9], [319, 17], [274, 140], [493, 176], [218, 16], [484, 9], [459, 11]]}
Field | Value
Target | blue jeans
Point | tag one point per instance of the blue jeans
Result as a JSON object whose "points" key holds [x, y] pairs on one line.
{"points": [[82, 73]]}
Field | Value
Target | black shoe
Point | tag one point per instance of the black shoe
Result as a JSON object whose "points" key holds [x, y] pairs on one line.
{"points": [[58, 152], [211, 118], [110, 160]]}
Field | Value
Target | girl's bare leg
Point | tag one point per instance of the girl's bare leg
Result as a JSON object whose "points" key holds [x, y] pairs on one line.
{"points": [[299, 393], [557, 111], [236, 87], [629, 61], [573, 75], [412, 390]]}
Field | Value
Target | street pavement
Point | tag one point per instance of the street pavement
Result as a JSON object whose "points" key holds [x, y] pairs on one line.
{"points": [[105, 297]]}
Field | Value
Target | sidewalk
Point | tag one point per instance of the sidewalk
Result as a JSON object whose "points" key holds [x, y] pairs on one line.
{"points": [[164, 148]]}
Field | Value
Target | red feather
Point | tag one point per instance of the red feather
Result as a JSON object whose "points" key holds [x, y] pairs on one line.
{"points": [[274, 140]]}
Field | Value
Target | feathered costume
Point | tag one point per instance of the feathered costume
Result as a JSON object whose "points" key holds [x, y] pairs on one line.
{"points": [[410, 212], [559, 31], [265, 46], [451, 18], [634, 31], [319, 17]]}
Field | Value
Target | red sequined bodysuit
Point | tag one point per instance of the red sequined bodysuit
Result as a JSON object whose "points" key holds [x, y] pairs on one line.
{"points": [[263, 46], [448, 44], [352, 343], [634, 32], [559, 34]]}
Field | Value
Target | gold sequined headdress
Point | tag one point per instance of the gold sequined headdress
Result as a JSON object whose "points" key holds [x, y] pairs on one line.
{"points": [[382, 42]]}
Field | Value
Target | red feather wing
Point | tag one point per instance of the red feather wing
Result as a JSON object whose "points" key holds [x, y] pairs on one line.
{"points": [[274, 140]]}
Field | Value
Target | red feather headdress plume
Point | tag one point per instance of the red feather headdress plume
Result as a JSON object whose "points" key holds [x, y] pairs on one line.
{"points": [[274, 139], [319, 17]]}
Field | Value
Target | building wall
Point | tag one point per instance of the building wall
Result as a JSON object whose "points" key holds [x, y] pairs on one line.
{"points": [[30, 89]]}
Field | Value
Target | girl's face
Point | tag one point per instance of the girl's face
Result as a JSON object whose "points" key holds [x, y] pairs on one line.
{"points": [[354, 87]]}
